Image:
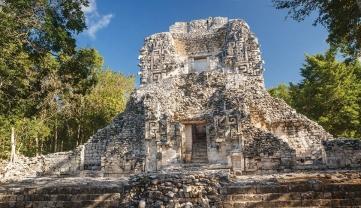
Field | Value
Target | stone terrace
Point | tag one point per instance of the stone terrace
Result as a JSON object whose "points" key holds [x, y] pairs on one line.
{"points": [[189, 189]]}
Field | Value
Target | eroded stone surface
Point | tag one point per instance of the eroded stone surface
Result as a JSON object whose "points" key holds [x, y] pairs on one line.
{"points": [[201, 103], [195, 189]]}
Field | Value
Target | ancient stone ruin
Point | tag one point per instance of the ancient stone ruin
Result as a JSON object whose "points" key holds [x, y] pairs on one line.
{"points": [[201, 106], [202, 103]]}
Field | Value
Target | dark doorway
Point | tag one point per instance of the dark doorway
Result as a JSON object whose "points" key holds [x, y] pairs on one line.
{"points": [[199, 144]]}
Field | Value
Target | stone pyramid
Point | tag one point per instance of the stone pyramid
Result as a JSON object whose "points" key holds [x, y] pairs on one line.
{"points": [[205, 77], [202, 103]]}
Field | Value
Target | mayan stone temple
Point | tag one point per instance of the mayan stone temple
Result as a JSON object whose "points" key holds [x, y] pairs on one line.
{"points": [[202, 100], [202, 131]]}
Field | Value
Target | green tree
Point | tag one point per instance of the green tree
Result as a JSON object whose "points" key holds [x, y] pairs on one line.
{"points": [[282, 91], [330, 94], [53, 94], [33, 34], [106, 100], [62, 92], [342, 19], [42, 26], [42, 72]]}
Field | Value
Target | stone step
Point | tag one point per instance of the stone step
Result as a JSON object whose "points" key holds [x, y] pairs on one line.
{"points": [[199, 160], [193, 164], [106, 203], [199, 152], [295, 196], [355, 202], [199, 147], [200, 156], [199, 143]]}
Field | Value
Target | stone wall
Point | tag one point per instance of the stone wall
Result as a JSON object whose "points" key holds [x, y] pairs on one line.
{"points": [[60, 164], [342, 153], [189, 190]]}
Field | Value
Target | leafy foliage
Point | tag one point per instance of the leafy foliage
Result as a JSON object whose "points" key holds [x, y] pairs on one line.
{"points": [[54, 94], [106, 100], [340, 17], [330, 93], [282, 91]]}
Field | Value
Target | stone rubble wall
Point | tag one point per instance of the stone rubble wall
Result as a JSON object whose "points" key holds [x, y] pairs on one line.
{"points": [[119, 148], [60, 163], [114, 150], [189, 190], [342, 153]]}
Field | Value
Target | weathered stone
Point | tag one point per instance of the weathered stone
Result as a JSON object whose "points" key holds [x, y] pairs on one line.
{"points": [[142, 204], [200, 121]]}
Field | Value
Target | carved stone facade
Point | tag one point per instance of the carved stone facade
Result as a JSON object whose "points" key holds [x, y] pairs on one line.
{"points": [[210, 73], [202, 103], [216, 43]]}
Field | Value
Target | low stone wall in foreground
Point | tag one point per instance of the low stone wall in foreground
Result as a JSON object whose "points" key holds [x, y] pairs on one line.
{"points": [[192, 189]]}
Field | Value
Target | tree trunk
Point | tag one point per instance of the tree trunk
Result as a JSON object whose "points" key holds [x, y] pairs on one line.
{"points": [[13, 145], [78, 139], [37, 146], [41, 147], [56, 135]]}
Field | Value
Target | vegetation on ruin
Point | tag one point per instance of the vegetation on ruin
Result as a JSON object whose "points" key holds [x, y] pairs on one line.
{"points": [[54, 94], [340, 17], [329, 93]]}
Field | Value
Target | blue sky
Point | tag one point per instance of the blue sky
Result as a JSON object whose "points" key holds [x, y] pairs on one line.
{"points": [[117, 29]]}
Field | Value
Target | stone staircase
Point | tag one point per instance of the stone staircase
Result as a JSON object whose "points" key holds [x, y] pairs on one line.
{"points": [[198, 188], [302, 194], [199, 151]]}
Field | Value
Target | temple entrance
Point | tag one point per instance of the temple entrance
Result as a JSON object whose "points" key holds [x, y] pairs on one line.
{"points": [[199, 144], [194, 143]]}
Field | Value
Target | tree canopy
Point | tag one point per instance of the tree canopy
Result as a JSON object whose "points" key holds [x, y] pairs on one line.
{"points": [[342, 19], [329, 93], [54, 94]]}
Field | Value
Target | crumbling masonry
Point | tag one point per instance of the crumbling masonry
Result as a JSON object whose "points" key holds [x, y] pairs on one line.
{"points": [[202, 102]]}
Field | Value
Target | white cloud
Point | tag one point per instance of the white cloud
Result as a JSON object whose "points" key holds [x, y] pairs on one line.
{"points": [[94, 20], [94, 27]]}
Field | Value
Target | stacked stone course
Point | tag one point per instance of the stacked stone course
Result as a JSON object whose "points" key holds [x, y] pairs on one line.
{"points": [[197, 189]]}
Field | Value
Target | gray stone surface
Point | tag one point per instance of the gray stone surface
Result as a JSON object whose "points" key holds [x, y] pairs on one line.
{"points": [[195, 189], [204, 74]]}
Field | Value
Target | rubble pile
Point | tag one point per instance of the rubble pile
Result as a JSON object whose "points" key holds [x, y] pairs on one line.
{"points": [[19, 169], [194, 189]]}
